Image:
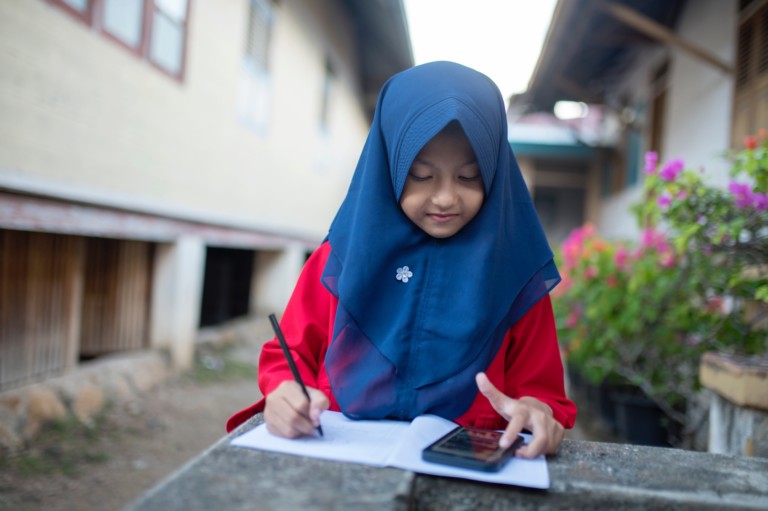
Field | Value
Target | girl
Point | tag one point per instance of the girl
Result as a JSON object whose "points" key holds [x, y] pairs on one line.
{"points": [[432, 283]]}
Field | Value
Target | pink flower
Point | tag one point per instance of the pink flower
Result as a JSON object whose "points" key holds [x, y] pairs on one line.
{"points": [[573, 318], [667, 259], [590, 272], [621, 258], [742, 194], [573, 245], [664, 201], [651, 159], [682, 195], [651, 238], [715, 304], [760, 201], [750, 142], [672, 170]]}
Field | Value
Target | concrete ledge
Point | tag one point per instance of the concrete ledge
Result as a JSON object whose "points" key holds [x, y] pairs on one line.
{"points": [[742, 380], [234, 478], [585, 475], [594, 475]]}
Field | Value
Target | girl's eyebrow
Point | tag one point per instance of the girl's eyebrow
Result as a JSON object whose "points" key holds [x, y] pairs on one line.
{"points": [[422, 162], [473, 161]]}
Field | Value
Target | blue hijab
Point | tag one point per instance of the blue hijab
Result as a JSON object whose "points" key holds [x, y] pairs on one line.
{"points": [[409, 341]]}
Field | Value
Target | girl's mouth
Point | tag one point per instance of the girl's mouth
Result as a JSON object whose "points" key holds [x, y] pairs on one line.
{"points": [[441, 218]]}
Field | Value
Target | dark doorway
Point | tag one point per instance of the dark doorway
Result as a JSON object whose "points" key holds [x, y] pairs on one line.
{"points": [[226, 285], [560, 210]]}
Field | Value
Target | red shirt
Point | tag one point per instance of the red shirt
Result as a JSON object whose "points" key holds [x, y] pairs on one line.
{"points": [[527, 364]]}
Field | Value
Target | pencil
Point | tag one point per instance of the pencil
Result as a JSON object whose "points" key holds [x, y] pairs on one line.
{"points": [[291, 363]]}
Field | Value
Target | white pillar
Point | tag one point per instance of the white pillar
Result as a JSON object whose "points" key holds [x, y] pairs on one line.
{"points": [[177, 289], [275, 277]]}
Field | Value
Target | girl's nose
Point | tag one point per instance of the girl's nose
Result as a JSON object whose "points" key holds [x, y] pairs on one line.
{"points": [[445, 195]]}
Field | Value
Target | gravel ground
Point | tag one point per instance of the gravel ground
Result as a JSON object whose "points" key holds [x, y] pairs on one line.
{"points": [[130, 450], [133, 445]]}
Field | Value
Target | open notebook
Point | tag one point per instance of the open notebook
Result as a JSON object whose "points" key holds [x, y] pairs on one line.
{"points": [[391, 444]]}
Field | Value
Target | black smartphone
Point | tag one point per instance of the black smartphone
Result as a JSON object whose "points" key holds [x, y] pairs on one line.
{"points": [[473, 448]]}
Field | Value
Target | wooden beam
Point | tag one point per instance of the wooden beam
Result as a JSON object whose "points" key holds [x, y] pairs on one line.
{"points": [[660, 32], [578, 92]]}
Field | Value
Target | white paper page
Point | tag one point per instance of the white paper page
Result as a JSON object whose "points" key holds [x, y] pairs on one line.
{"points": [[367, 442], [425, 429]]}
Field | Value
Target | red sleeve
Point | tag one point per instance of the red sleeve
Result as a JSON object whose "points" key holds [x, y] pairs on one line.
{"points": [[527, 364], [533, 366], [305, 323]]}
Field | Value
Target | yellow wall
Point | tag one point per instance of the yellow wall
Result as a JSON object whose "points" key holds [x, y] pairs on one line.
{"points": [[78, 110]]}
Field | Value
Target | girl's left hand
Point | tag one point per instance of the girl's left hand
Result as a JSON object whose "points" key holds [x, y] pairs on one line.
{"points": [[526, 412]]}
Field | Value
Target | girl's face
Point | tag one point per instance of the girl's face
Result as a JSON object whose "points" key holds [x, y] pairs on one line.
{"points": [[444, 190]]}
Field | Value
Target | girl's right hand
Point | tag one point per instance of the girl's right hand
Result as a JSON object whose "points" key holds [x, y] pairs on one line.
{"points": [[287, 412]]}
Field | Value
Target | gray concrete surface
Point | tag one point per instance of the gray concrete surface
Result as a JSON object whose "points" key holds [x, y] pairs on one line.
{"points": [[584, 474]]}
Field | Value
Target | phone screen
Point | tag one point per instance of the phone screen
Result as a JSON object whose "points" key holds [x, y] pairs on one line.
{"points": [[471, 448]]}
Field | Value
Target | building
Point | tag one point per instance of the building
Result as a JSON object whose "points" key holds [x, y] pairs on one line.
{"points": [[167, 164], [683, 78]]}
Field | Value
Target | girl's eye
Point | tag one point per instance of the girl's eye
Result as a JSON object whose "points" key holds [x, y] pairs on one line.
{"points": [[475, 177], [418, 178]]}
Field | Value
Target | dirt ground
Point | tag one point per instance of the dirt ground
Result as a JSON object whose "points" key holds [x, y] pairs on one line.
{"points": [[133, 445]]}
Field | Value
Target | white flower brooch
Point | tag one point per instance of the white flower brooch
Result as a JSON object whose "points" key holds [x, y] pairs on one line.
{"points": [[404, 274]]}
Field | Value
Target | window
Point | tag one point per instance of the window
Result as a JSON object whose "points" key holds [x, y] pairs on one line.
{"points": [[254, 91], [155, 30], [258, 34], [79, 8], [329, 79], [750, 110], [166, 46]]}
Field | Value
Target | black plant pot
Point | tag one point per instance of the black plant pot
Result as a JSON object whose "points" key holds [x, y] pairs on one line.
{"points": [[640, 421], [576, 380], [607, 407]]}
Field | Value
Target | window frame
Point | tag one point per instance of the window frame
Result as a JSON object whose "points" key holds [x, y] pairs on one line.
{"points": [[92, 17], [254, 108]]}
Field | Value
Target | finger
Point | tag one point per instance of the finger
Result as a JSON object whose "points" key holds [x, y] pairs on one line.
{"points": [[286, 421], [514, 427], [287, 411], [541, 436], [318, 404], [295, 397], [557, 437], [497, 399]]}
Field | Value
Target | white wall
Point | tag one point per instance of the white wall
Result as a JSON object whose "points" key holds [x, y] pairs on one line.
{"points": [[698, 104], [701, 97], [78, 110]]}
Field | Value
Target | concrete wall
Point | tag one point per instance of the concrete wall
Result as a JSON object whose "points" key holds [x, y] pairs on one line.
{"points": [[78, 110], [698, 105]]}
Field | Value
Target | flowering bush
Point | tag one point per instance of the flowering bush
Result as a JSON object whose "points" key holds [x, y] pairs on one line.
{"points": [[626, 314], [644, 312], [721, 232]]}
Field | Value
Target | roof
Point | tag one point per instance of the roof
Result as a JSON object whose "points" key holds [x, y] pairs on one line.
{"points": [[588, 48], [384, 44]]}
